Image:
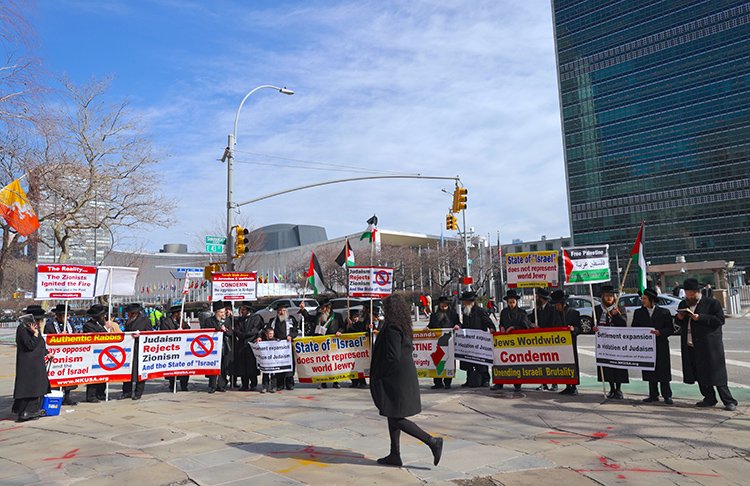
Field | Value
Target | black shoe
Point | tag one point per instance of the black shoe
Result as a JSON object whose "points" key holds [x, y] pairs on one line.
{"points": [[496, 387], [619, 395], [354, 385], [244, 388], [92, 400], [263, 390], [611, 394], [136, 397], [336, 384], [730, 407], [485, 384], [253, 387], [436, 386], [26, 416], [553, 388], [542, 387], [125, 396], [466, 385], [69, 401], [705, 404], [272, 390], [289, 387], [183, 388], [212, 390], [574, 392], [436, 446], [447, 387], [652, 399], [668, 401], [324, 385], [391, 460], [222, 389], [101, 397]]}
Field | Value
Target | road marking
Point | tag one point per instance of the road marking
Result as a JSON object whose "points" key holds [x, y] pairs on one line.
{"points": [[674, 371], [727, 361]]}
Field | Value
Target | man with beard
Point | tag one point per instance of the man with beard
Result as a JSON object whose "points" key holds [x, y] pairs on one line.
{"points": [[547, 317], [659, 320], [701, 319], [31, 373], [286, 328], [444, 317], [512, 318], [230, 321], [474, 317], [246, 331], [610, 315], [171, 322], [355, 324], [326, 323], [58, 325], [136, 324], [217, 323], [97, 324], [571, 319]]}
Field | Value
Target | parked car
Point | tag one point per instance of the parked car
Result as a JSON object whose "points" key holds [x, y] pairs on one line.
{"points": [[339, 306], [269, 312], [581, 303], [632, 302]]}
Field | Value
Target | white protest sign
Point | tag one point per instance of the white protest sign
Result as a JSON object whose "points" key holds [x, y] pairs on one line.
{"points": [[474, 346], [62, 281], [234, 286], [531, 269], [626, 348], [179, 353], [116, 280], [370, 282], [89, 358], [273, 356], [434, 356]]}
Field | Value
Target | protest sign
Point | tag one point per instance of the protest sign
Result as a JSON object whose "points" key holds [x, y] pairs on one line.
{"points": [[116, 280], [233, 286], [626, 348], [62, 281], [89, 358], [370, 282], [273, 356], [544, 356], [586, 264], [531, 269], [321, 359], [473, 346], [434, 356], [176, 353]]}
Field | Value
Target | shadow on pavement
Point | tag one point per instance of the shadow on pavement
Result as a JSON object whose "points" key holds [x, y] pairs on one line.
{"points": [[326, 455]]}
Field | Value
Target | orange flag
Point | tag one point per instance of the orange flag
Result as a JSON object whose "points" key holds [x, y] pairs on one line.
{"points": [[16, 209]]}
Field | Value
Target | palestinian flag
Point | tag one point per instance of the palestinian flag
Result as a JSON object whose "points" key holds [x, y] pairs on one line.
{"points": [[315, 276], [639, 259], [371, 233], [346, 257]]}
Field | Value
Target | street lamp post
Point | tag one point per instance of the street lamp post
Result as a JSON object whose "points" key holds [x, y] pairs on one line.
{"points": [[229, 158]]}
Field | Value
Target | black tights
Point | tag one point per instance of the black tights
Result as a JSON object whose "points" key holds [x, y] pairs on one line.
{"points": [[396, 425]]}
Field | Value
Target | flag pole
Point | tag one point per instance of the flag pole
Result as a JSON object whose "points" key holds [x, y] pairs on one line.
{"points": [[599, 369]]}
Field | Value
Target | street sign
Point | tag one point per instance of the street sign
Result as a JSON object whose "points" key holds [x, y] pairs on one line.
{"points": [[190, 272], [214, 248], [216, 240]]}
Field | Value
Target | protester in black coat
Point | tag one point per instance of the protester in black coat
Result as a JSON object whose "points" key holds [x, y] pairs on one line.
{"points": [[544, 312], [703, 347], [355, 324], [660, 321], [31, 372], [512, 318], [217, 322], [393, 380], [609, 315], [285, 327], [97, 323], [136, 323], [58, 325], [171, 322], [444, 317], [571, 319], [326, 323], [474, 317], [246, 330]]}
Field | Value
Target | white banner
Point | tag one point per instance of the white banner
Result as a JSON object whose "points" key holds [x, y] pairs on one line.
{"points": [[434, 355], [67, 282], [474, 346], [234, 286], [89, 358], [273, 356], [531, 269], [115, 280], [370, 282], [626, 348], [176, 353]]}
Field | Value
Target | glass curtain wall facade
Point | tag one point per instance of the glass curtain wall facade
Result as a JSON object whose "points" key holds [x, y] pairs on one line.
{"points": [[655, 101]]}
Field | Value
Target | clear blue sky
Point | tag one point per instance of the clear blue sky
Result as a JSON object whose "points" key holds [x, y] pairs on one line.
{"points": [[438, 88]]}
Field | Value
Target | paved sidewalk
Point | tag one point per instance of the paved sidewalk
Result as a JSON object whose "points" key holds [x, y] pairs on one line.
{"points": [[310, 436]]}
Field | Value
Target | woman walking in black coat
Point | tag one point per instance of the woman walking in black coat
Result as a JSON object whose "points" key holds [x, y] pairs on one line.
{"points": [[31, 372], [660, 319], [393, 380]]}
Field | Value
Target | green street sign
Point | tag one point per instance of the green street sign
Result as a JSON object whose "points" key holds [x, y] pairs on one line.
{"points": [[215, 240], [211, 248]]}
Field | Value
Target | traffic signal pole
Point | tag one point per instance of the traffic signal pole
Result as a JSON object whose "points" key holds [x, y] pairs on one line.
{"points": [[230, 201]]}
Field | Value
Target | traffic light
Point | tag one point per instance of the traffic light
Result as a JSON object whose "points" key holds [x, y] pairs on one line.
{"points": [[459, 199], [209, 270], [451, 223], [241, 241]]}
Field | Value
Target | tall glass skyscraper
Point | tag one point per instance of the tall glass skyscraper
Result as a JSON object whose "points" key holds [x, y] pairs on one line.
{"points": [[655, 101]]}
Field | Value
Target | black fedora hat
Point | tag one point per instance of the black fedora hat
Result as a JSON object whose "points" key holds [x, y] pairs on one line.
{"points": [[175, 308], [96, 310], [468, 296], [217, 305], [281, 305], [543, 293], [443, 299], [558, 297], [58, 309], [691, 284], [606, 289], [35, 310], [511, 294], [246, 303], [133, 307], [650, 293], [324, 302]]}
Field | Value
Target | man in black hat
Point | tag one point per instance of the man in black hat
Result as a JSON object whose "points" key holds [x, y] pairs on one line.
{"points": [[474, 317], [512, 318], [444, 317], [659, 320], [246, 331], [31, 382], [701, 320], [136, 324], [355, 324], [326, 323], [570, 318], [217, 322], [285, 327], [608, 314], [230, 321], [171, 322], [58, 325], [96, 323], [548, 318]]}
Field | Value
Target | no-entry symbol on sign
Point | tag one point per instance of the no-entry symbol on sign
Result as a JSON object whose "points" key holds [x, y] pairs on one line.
{"points": [[202, 346], [112, 358], [382, 278]]}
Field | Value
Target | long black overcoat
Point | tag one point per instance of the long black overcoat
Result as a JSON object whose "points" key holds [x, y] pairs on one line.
{"points": [[708, 366], [478, 318], [393, 377], [515, 318], [614, 375], [661, 320], [31, 372], [246, 331]]}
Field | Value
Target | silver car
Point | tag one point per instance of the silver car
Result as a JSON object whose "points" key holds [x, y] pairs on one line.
{"points": [[632, 302]]}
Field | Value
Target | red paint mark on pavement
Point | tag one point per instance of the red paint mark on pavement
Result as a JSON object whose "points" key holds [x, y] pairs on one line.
{"points": [[308, 398], [595, 436], [68, 455], [552, 441], [614, 467]]}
